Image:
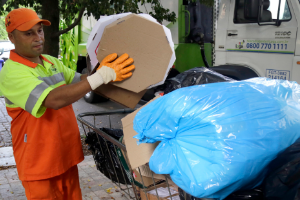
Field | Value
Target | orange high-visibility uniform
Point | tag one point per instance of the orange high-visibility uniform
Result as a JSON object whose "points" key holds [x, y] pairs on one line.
{"points": [[62, 187], [46, 142]]}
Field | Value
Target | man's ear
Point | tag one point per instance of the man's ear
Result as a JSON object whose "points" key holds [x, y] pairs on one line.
{"points": [[11, 37]]}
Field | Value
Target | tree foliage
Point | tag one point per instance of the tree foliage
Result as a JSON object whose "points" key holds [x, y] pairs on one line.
{"points": [[54, 10], [3, 33]]}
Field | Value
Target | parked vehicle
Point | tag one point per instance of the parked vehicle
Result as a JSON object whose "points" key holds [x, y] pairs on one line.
{"points": [[5, 47], [240, 39]]}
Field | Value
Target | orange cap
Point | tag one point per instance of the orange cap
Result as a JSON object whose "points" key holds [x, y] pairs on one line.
{"points": [[22, 19]]}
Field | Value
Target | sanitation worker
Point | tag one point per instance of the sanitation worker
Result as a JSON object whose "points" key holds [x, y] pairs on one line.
{"points": [[39, 91]]}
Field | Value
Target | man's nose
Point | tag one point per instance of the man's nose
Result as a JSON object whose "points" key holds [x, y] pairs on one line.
{"points": [[37, 36]]}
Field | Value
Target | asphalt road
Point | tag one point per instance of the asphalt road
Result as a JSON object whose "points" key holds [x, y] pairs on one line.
{"points": [[99, 115]]}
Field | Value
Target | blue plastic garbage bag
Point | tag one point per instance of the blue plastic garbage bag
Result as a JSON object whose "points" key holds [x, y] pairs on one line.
{"points": [[219, 138]]}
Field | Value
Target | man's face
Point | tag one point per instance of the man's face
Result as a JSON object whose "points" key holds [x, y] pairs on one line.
{"points": [[29, 43]]}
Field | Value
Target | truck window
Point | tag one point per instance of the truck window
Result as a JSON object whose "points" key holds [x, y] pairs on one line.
{"points": [[284, 14], [269, 14]]}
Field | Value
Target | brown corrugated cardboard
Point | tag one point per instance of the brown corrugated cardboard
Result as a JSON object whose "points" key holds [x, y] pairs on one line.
{"points": [[146, 42], [145, 171], [147, 181], [127, 98], [119, 95], [138, 155], [162, 191]]}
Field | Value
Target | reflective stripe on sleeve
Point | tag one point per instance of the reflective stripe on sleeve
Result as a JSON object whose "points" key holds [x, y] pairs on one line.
{"points": [[34, 96], [7, 101], [52, 80], [76, 78]]}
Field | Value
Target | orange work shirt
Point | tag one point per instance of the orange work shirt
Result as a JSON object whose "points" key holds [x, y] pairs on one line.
{"points": [[46, 142]]}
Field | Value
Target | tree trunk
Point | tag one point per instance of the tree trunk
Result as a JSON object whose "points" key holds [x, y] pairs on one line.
{"points": [[50, 11]]}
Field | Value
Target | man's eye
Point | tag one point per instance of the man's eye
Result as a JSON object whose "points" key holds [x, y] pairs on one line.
{"points": [[28, 34]]}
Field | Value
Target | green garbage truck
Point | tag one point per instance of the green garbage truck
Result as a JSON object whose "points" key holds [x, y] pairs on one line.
{"points": [[240, 39]]}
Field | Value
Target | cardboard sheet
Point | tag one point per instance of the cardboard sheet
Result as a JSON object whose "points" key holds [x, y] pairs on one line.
{"points": [[138, 155], [96, 34], [146, 42], [119, 95]]}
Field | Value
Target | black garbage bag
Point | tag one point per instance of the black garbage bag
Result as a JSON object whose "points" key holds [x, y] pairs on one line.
{"points": [[195, 76], [150, 94], [255, 194], [105, 155], [185, 196], [283, 179]]}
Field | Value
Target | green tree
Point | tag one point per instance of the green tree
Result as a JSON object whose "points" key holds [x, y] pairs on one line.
{"points": [[3, 33], [54, 10]]}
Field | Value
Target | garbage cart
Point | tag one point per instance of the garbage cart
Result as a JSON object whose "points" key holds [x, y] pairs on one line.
{"points": [[110, 155], [109, 152]]}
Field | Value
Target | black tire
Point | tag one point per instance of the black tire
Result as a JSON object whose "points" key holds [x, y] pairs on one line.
{"points": [[92, 97], [236, 72], [84, 71], [81, 64]]}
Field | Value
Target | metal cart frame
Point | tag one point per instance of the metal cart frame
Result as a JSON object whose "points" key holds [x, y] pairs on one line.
{"points": [[130, 191]]}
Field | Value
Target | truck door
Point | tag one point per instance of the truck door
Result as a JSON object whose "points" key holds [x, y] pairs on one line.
{"points": [[266, 49]]}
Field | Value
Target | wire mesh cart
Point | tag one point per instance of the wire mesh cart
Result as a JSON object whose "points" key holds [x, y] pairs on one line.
{"points": [[110, 155]]}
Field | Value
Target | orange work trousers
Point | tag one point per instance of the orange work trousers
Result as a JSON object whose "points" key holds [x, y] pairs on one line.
{"points": [[63, 187]]}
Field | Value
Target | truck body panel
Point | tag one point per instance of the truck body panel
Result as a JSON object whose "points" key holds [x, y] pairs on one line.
{"points": [[268, 50]]}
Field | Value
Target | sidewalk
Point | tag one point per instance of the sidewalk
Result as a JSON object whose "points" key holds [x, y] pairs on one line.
{"points": [[5, 119], [94, 185]]}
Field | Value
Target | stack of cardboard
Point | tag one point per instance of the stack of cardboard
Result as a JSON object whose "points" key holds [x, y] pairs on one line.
{"points": [[146, 41]]}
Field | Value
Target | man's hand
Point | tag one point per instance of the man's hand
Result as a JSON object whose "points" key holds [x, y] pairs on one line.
{"points": [[111, 70], [122, 65]]}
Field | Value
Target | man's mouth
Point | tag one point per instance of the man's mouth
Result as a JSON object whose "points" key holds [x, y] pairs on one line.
{"points": [[38, 46]]}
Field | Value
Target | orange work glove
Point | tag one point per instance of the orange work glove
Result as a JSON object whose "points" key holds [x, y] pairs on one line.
{"points": [[122, 65], [111, 70]]}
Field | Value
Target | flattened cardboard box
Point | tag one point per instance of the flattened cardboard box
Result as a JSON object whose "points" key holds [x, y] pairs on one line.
{"points": [[138, 155], [144, 41], [120, 95], [96, 34], [125, 97]]}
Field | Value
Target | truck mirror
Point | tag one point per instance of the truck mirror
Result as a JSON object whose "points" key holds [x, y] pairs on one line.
{"points": [[251, 9]]}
